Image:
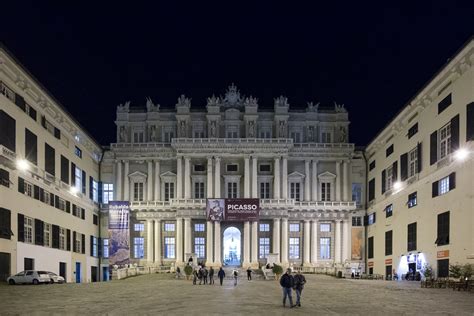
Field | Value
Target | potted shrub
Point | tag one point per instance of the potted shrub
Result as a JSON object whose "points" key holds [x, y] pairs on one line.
{"points": [[455, 271], [278, 270], [188, 270], [427, 272], [467, 271]]}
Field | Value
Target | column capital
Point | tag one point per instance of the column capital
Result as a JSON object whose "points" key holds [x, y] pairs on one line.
{"points": [[315, 160], [217, 158], [276, 219]]}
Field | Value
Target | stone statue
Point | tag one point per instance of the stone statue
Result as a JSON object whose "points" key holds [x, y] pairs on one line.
{"points": [[313, 107], [183, 101], [281, 101], [251, 129], [311, 133], [342, 134], [150, 107], [122, 135], [213, 129], [282, 129], [339, 108], [124, 107], [213, 101], [251, 101], [153, 136], [182, 128]]}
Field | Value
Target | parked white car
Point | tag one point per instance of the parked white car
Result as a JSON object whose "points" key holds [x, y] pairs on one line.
{"points": [[56, 278], [29, 277]]}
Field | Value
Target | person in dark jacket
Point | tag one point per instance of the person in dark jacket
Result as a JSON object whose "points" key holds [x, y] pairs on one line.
{"points": [[249, 274], [287, 283], [211, 276], [200, 275], [221, 275], [300, 281], [204, 275], [195, 276]]}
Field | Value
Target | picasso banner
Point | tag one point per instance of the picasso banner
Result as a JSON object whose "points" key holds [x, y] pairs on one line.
{"points": [[119, 234], [233, 209]]}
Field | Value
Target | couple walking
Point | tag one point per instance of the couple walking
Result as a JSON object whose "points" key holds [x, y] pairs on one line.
{"points": [[288, 282]]}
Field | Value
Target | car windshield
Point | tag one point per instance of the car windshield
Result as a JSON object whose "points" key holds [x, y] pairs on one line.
{"points": [[42, 272], [52, 273]]}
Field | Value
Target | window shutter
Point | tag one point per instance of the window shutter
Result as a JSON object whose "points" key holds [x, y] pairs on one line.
{"points": [[21, 185], [31, 147], [57, 133], [20, 102], [39, 232], [64, 169], [68, 207], [395, 171], [452, 181], [91, 194], [434, 192], [99, 195], [366, 220], [55, 236], [52, 199], [36, 192], [56, 201], [371, 189], [420, 157], [83, 243], [83, 213], [375, 214], [470, 121], [383, 181], [21, 227], [43, 121], [84, 181], [74, 241], [41, 194], [33, 113], [73, 174], [92, 246], [68, 240], [404, 167], [49, 159], [433, 147], [455, 133], [99, 247], [8, 134]]}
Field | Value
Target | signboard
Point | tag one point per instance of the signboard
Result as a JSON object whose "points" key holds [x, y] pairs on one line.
{"points": [[119, 234], [371, 264], [233, 209], [442, 254], [388, 261]]}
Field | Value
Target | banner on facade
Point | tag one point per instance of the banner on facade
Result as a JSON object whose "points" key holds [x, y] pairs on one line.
{"points": [[233, 209], [119, 234], [357, 240]]}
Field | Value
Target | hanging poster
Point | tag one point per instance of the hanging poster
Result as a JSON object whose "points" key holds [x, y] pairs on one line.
{"points": [[233, 209], [357, 247], [119, 234]]}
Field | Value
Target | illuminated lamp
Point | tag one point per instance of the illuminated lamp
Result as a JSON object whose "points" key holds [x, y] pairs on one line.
{"points": [[22, 164], [397, 185], [461, 154]]}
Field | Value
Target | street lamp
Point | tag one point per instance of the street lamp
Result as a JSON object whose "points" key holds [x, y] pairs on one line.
{"points": [[73, 190], [22, 164], [461, 154]]}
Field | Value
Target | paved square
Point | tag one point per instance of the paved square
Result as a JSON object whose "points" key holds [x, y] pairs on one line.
{"points": [[161, 294]]}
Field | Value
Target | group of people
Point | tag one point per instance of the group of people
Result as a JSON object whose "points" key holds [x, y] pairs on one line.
{"points": [[206, 276], [289, 283]]}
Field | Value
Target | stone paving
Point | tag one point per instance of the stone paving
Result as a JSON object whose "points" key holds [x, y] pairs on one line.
{"points": [[163, 295]]}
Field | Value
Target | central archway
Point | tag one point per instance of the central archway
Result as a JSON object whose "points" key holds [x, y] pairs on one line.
{"points": [[231, 241]]}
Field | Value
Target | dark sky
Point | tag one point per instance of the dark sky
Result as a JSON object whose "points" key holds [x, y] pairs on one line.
{"points": [[372, 58]]}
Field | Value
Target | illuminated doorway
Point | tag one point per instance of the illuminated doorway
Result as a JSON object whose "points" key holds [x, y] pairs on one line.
{"points": [[231, 243]]}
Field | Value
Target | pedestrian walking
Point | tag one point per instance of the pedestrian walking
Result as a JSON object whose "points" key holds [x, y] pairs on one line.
{"points": [[221, 275], [299, 281], [178, 273], [287, 283], [249, 274], [211, 276], [195, 276], [205, 274], [200, 275], [235, 274]]}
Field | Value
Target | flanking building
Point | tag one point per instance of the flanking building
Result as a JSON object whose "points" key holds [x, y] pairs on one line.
{"points": [[308, 178], [49, 171], [421, 177]]}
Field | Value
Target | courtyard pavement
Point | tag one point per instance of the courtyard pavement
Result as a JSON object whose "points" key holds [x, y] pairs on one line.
{"points": [[163, 295]]}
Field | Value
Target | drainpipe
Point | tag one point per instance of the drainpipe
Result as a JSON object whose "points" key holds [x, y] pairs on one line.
{"points": [[100, 217], [366, 235]]}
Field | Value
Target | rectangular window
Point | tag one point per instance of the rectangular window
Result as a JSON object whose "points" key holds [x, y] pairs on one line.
{"points": [[170, 227], [370, 252], [169, 191], [443, 268], [94, 246], [264, 227], [325, 227], [265, 168], [139, 227], [199, 247], [265, 134], [389, 151], [28, 189], [108, 193], [169, 251], [139, 247], [5, 224], [295, 191], [199, 190], [389, 178], [265, 190], [198, 134], [325, 191], [78, 152], [95, 191], [294, 227], [443, 186], [64, 169], [49, 160], [78, 177], [443, 104], [326, 137], [413, 162], [443, 229], [8, 134], [62, 238], [388, 242], [232, 190], [411, 237], [371, 190], [78, 243], [263, 247], [371, 218], [28, 224], [412, 200], [31, 147], [95, 219], [138, 191], [412, 130], [444, 141], [296, 136], [372, 165], [138, 137], [357, 193], [389, 210], [325, 246], [232, 168], [199, 227], [356, 221], [199, 168], [168, 136], [47, 235], [294, 248], [105, 252]]}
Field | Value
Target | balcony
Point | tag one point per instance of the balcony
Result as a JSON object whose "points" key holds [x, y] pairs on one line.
{"points": [[7, 157], [326, 205], [277, 203], [232, 141], [139, 145], [150, 205], [188, 203]]}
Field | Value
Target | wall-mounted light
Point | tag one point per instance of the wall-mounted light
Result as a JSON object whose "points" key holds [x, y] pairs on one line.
{"points": [[461, 154], [73, 191], [22, 165], [397, 185]]}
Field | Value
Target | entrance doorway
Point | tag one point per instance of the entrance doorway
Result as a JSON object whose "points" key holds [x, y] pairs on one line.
{"points": [[78, 272], [4, 266], [232, 246]]}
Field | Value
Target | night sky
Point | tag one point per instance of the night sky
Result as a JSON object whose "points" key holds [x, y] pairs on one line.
{"points": [[373, 59]]}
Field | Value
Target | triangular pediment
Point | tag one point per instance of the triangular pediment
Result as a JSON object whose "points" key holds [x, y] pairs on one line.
{"points": [[296, 174], [327, 175], [137, 175], [168, 174]]}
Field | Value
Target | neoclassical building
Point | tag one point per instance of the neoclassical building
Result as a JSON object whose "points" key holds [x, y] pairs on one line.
{"points": [[298, 162]]}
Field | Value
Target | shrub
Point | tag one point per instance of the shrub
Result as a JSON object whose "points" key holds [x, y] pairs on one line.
{"points": [[188, 270], [467, 270], [455, 271], [278, 270], [427, 271]]}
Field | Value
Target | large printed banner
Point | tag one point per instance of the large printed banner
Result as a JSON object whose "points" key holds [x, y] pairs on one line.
{"points": [[119, 234], [357, 247], [233, 209]]}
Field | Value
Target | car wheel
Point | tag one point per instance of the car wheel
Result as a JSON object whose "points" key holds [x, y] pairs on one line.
{"points": [[11, 282], [51, 282], [35, 282]]}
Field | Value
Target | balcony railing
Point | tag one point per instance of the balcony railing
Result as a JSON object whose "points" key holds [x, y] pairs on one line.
{"points": [[188, 202], [323, 145], [151, 204], [7, 153], [232, 141], [277, 202], [140, 145], [304, 204]]}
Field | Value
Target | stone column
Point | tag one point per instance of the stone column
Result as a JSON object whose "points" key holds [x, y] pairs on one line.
{"points": [[179, 241], [209, 178], [307, 243], [337, 237], [187, 235], [276, 179], [345, 181], [246, 260], [217, 243], [209, 243], [276, 237], [157, 195], [284, 241], [314, 242], [149, 181], [284, 179], [307, 185], [255, 244], [346, 240], [149, 241], [118, 181], [187, 178], [254, 178], [338, 181], [157, 241], [217, 183], [314, 180], [246, 177], [126, 183], [179, 178]]}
